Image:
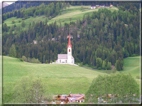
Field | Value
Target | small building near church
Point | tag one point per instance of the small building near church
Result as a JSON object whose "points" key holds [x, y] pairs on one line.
{"points": [[66, 58], [71, 98]]}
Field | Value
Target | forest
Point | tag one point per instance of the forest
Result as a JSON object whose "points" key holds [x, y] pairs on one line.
{"points": [[100, 40]]}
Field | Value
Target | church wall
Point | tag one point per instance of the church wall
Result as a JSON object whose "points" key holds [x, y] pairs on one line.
{"points": [[72, 61], [62, 60]]}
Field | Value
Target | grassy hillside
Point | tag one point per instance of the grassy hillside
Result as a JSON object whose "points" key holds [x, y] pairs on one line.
{"points": [[72, 13], [132, 65], [58, 79], [18, 21]]}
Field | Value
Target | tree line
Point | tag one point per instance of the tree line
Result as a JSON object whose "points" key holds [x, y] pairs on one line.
{"points": [[48, 9], [17, 5]]}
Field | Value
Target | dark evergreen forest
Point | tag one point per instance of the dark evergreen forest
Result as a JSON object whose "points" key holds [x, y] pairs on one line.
{"points": [[100, 40], [23, 4]]}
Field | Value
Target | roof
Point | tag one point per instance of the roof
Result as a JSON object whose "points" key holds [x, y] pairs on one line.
{"points": [[63, 56], [70, 97], [76, 95], [69, 41]]}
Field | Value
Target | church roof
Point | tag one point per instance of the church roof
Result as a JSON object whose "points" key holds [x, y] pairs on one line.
{"points": [[63, 56], [69, 41]]}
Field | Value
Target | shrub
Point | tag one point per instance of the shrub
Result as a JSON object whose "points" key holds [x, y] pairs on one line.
{"points": [[119, 64], [28, 90], [24, 58], [99, 62], [13, 22], [124, 86], [138, 77], [33, 60], [109, 66]]}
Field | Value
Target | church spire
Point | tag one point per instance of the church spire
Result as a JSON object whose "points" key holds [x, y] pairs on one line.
{"points": [[69, 41]]}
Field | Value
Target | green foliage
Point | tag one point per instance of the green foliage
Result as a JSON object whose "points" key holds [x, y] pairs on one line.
{"points": [[28, 90], [31, 60], [99, 63], [12, 51], [119, 65], [115, 84], [24, 58], [104, 65], [108, 65], [50, 9]]}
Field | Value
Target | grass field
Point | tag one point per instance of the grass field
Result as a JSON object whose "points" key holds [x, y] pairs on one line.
{"points": [[58, 79], [73, 13], [18, 21], [132, 65]]}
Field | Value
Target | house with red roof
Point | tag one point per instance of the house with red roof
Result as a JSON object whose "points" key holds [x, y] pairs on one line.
{"points": [[71, 98]]}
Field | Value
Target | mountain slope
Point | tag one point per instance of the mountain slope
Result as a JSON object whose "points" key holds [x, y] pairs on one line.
{"points": [[70, 14], [105, 34], [74, 13], [17, 5]]}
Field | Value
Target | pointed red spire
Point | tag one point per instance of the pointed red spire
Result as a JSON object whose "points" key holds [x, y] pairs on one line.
{"points": [[69, 41]]}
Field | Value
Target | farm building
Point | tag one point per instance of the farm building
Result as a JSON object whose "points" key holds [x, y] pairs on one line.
{"points": [[71, 98]]}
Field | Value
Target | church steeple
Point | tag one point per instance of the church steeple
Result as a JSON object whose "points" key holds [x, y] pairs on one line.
{"points": [[69, 41], [69, 50]]}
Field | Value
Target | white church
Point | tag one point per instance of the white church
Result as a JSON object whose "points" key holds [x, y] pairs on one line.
{"points": [[66, 58]]}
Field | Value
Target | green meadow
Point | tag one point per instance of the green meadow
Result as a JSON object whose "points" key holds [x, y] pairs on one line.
{"points": [[74, 13], [70, 14], [18, 21], [57, 78], [132, 66]]}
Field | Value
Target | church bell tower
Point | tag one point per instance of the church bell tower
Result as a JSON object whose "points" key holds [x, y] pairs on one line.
{"points": [[69, 50]]}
